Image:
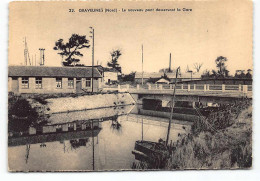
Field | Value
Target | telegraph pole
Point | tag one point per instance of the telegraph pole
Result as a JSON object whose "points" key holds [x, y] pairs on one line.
{"points": [[142, 65], [93, 35], [170, 63]]}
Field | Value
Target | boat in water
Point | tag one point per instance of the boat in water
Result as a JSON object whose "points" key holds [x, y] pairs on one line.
{"points": [[154, 153]]}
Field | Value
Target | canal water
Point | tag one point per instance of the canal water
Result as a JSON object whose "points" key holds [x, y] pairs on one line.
{"points": [[68, 145]]}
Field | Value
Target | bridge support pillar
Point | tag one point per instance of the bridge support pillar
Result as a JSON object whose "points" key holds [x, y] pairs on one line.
{"points": [[188, 87], [245, 89], [32, 130], [194, 86], [137, 86], [223, 87], [181, 86], [149, 87], [239, 88], [205, 87]]}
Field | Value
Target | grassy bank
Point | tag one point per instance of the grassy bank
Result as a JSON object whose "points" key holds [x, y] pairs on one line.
{"points": [[223, 140]]}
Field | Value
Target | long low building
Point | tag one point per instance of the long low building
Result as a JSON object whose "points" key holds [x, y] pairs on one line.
{"points": [[43, 79], [171, 77]]}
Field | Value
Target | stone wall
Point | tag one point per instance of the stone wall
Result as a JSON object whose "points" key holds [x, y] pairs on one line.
{"points": [[68, 104]]}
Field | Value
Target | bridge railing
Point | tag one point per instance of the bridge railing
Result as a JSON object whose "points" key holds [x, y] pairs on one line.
{"points": [[189, 87]]}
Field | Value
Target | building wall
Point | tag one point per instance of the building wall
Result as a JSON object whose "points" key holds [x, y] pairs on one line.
{"points": [[9, 84], [96, 86], [139, 80], [110, 75], [49, 86]]}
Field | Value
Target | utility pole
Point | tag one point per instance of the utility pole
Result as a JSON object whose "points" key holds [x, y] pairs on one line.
{"points": [[142, 65], [170, 62], [172, 104], [142, 129], [93, 35], [93, 146]]}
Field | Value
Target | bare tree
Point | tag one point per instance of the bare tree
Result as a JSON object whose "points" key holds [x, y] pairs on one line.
{"points": [[197, 66]]}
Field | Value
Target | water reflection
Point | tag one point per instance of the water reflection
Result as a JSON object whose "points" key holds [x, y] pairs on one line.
{"points": [[87, 140]]}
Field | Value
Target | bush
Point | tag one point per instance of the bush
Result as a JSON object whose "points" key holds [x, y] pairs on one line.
{"points": [[20, 114]]}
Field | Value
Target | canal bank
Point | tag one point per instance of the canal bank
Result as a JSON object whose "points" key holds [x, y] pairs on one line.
{"points": [[33, 110], [49, 104], [88, 102]]}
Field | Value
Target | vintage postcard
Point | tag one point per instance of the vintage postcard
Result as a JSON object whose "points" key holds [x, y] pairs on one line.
{"points": [[130, 85]]}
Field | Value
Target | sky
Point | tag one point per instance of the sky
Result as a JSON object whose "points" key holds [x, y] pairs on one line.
{"points": [[211, 29]]}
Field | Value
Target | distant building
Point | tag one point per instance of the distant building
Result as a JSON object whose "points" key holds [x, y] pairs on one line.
{"points": [[41, 79], [110, 75], [147, 76], [171, 77], [187, 76], [163, 80]]}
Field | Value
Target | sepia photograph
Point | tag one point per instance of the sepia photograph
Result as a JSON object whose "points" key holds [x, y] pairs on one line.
{"points": [[130, 85]]}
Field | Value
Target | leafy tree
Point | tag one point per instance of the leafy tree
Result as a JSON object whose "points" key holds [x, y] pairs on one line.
{"points": [[249, 74], [206, 74], [129, 77], [70, 50], [222, 71], [115, 54], [240, 74]]}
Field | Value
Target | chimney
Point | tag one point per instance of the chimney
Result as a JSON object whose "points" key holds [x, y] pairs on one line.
{"points": [[42, 56]]}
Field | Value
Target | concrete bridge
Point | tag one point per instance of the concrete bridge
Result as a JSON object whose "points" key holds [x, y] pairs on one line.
{"points": [[189, 92]]}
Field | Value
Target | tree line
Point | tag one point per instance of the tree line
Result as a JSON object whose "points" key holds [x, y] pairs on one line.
{"points": [[223, 72]]}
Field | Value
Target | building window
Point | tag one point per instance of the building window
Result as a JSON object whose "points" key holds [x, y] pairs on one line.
{"points": [[58, 83], [25, 82], [38, 82], [88, 82], [70, 83]]}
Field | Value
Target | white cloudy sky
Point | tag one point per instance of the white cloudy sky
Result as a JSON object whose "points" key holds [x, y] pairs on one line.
{"points": [[210, 30]]}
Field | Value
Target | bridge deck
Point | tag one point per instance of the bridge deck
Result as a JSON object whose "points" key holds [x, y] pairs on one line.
{"points": [[192, 93]]}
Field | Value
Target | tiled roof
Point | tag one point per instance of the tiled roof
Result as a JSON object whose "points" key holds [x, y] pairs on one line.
{"points": [[107, 69], [43, 71]]}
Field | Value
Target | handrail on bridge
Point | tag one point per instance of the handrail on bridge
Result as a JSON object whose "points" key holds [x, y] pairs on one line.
{"points": [[245, 89]]}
